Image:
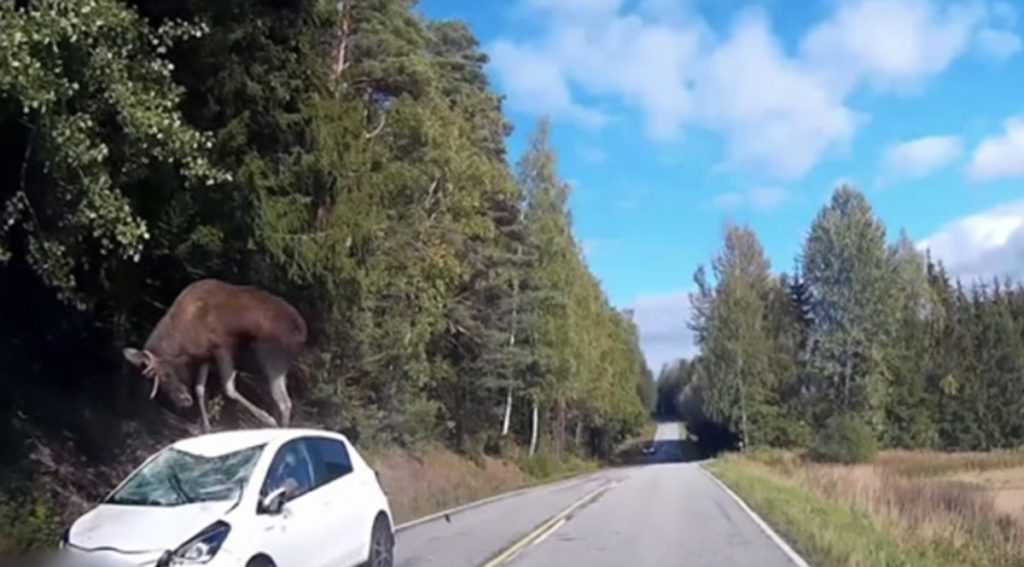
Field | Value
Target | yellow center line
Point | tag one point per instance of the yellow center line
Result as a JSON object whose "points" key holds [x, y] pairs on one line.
{"points": [[544, 529], [550, 531]]}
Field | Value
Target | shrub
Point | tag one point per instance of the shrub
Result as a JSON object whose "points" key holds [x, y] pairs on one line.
{"points": [[27, 520], [845, 439]]}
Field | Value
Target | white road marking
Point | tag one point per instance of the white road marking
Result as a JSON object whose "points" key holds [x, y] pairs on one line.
{"points": [[793, 555]]}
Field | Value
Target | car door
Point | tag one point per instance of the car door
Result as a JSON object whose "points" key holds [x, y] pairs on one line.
{"points": [[296, 536], [344, 509]]}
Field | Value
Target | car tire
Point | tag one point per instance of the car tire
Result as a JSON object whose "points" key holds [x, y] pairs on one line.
{"points": [[260, 561], [382, 544]]}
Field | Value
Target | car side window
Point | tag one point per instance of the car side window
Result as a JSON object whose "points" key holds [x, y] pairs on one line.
{"points": [[292, 468], [330, 459]]}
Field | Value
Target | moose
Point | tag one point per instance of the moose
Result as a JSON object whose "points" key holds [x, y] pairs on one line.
{"points": [[235, 327]]}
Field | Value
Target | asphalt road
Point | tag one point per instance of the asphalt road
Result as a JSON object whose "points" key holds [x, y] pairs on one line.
{"points": [[665, 512]]}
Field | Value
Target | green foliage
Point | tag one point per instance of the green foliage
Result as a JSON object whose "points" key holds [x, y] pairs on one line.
{"points": [[740, 324], [847, 272], [845, 439], [85, 83], [28, 516], [875, 332], [350, 160]]}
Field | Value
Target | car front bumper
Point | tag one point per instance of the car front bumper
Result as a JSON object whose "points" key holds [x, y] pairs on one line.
{"points": [[71, 556]]}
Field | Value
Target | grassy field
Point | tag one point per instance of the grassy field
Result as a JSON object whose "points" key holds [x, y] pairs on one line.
{"points": [[905, 509]]}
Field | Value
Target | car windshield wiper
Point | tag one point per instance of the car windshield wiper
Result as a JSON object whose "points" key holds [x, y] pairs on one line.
{"points": [[175, 483]]}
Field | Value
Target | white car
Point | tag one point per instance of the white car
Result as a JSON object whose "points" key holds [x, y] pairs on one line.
{"points": [[249, 498]]}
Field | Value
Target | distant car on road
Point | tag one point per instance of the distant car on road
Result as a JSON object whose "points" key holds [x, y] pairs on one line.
{"points": [[649, 448], [250, 498]]}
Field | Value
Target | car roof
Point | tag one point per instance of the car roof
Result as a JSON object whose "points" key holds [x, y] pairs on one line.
{"points": [[223, 442]]}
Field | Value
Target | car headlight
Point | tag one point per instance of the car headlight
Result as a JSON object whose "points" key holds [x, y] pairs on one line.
{"points": [[201, 548]]}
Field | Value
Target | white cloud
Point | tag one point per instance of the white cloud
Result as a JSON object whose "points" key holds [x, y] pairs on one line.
{"points": [[662, 321], [999, 44], [890, 44], [1000, 156], [777, 115], [537, 85], [983, 245], [763, 199], [779, 111], [998, 40], [921, 156]]}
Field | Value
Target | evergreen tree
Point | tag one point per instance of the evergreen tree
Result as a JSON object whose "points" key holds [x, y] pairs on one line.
{"points": [[908, 410]]}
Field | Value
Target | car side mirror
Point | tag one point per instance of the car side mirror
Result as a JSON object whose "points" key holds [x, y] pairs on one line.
{"points": [[274, 502]]}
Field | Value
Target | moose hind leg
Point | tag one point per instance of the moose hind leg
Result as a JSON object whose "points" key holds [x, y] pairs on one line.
{"points": [[201, 376], [274, 363], [279, 390], [228, 375]]}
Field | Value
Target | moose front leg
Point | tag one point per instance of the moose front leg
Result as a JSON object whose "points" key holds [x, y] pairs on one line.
{"points": [[228, 374]]}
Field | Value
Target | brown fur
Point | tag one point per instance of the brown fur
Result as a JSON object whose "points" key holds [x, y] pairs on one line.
{"points": [[217, 324]]}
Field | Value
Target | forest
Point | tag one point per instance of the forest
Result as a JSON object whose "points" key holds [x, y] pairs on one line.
{"points": [[865, 344], [349, 157]]}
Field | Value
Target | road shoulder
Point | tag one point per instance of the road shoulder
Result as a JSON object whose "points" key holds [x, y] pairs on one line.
{"points": [[772, 535]]}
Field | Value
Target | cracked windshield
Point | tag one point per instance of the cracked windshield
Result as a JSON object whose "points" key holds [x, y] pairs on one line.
{"points": [[525, 283]]}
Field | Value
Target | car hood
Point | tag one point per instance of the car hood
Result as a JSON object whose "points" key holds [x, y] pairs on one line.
{"points": [[141, 529]]}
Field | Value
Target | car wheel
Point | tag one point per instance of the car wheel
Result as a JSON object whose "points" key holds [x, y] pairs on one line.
{"points": [[260, 561], [382, 544]]}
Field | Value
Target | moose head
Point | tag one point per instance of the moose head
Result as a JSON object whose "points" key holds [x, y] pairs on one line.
{"points": [[163, 372]]}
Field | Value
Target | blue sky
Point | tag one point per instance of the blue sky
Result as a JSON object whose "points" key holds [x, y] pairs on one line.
{"points": [[672, 116]]}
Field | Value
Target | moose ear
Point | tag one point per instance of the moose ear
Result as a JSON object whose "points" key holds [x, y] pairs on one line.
{"points": [[135, 356]]}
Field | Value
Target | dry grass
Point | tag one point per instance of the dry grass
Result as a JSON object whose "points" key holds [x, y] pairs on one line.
{"points": [[933, 508], [1006, 486], [929, 463], [949, 512], [433, 479]]}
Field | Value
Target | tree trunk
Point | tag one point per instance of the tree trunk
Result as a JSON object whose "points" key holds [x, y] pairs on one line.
{"points": [[560, 428], [534, 427], [508, 412], [511, 346], [341, 49], [743, 405]]}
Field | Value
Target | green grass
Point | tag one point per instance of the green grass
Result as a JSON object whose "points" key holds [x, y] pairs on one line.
{"points": [[832, 533]]}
